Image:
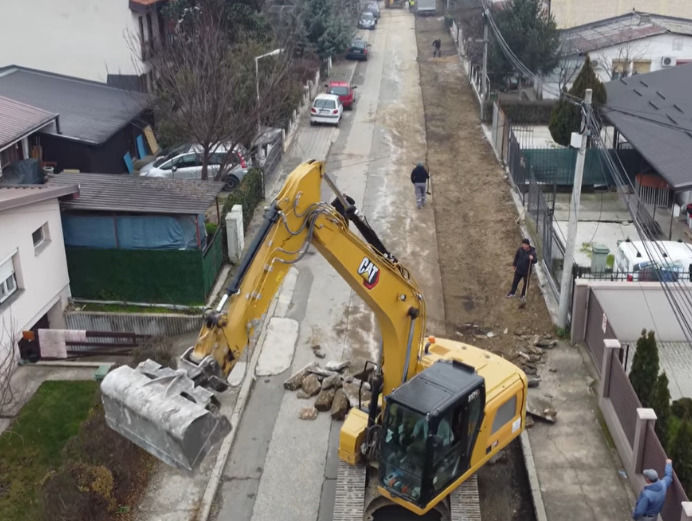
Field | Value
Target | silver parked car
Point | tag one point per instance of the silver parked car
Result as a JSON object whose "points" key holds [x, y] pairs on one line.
{"points": [[185, 162]]}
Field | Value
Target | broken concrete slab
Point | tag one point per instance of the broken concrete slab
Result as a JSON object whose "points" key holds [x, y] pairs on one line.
{"points": [[307, 413], [311, 385], [322, 373], [352, 391], [237, 374], [295, 381], [324, 400], [302, 395], [337, 366], [340, 405], [278, 347], [330, 382]]}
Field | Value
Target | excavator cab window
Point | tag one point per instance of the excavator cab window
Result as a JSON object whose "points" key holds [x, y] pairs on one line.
{"points": [[430, 427]]}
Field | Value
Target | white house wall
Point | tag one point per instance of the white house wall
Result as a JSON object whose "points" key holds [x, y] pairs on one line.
{"points": [[84, 38], [572, 13], [652, 49], [41, 277]]}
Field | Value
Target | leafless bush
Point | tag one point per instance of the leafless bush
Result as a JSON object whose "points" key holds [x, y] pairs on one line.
{"points": [[8, 363], [159, 349]]}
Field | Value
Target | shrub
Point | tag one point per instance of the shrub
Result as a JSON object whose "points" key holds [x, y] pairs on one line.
{"points": [[249, 194], [159, 349], [660, 403], [211, 228], [78, 491], [645, 367]]}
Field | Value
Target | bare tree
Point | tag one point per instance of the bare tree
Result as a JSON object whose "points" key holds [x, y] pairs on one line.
{"points": [[632, 49], [567, 71], [205, 84], [8, 364]]}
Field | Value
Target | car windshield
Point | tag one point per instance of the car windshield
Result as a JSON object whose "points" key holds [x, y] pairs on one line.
{"points": [[403, 451], [360, 44], [170, 153], [368, 15], [339, 91], [321, 103]]}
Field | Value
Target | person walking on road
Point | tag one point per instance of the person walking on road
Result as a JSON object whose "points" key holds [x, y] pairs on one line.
{"points": [[525, 256], [419, 178], [651, 498], [411, 3], [437, 44]]}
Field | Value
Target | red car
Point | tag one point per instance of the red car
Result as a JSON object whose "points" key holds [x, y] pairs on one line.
{"points": [[345, 91]]}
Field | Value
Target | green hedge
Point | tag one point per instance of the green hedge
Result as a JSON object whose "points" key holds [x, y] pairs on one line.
{"points": [[528, 112], [249, 195], [154, 276]]}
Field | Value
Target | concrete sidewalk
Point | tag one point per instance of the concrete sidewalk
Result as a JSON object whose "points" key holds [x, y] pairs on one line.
{"points": [[576, 464]]}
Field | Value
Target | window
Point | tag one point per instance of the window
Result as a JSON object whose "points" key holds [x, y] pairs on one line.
{"points": [[504, 414], [8, 282], [40, 237], [677, 44], [620, 69]]}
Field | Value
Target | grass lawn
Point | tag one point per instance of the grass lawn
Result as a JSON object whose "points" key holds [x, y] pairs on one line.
{"points": [[33, 444]]}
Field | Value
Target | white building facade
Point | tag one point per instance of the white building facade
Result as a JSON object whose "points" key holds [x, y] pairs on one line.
{"points": [[91, 39], [622, 47], [34, 283]]}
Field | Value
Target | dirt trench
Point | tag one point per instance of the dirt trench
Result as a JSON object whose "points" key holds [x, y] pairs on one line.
{"points": [[477, 236]]}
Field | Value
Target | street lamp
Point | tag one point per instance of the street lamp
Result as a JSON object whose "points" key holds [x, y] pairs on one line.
{"points": [[257, 59]]}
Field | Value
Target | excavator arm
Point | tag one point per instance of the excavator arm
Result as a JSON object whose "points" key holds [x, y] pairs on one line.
{"points": [[296, 220], [173, 414]]}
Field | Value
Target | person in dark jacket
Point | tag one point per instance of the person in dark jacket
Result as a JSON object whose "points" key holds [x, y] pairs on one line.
{"points": [[436, 51], [419, 178], [653, 495], [525, 256]]}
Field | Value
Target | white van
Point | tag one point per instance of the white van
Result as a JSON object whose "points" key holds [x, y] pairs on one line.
{"points": [[632, 257]]}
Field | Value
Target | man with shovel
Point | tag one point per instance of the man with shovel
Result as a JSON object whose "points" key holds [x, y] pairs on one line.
{"points": [[523, 260]]}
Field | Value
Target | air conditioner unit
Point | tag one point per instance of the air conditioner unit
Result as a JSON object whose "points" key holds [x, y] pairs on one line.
{"points": [[595, 64], [668, 61]]}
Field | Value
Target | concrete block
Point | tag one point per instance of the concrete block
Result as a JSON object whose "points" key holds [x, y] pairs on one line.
{"points": [[686, 511], [235, 235]]}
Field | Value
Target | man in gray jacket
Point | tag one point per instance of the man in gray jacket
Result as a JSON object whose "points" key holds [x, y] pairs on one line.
{"points": [[419, 178]]}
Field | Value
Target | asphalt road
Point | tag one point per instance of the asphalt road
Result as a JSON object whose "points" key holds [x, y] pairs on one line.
{"points": [[281, 467]]}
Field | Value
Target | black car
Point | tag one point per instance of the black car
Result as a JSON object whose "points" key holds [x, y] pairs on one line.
{"points": [[358, 50]]}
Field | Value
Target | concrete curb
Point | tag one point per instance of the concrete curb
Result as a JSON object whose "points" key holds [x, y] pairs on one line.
{"points": [[58, 363], [536, 494]]}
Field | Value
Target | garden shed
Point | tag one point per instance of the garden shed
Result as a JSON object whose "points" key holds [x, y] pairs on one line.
{"points": [[141, 240]]}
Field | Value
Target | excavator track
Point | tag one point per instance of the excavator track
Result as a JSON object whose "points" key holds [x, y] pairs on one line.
{"points": [[349, 505]]}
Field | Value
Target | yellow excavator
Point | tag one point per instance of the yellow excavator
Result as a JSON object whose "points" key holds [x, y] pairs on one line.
{"points": [[438, 411]]}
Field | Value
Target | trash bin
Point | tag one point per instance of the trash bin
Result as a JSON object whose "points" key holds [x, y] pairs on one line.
{"points": [[599, 257]]}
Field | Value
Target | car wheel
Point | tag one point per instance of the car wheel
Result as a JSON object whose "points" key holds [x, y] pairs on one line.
{"points": [[231, 183], [312, 123]]}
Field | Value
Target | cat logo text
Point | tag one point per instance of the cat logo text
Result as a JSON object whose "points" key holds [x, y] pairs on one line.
{"points": [[369, 272]]}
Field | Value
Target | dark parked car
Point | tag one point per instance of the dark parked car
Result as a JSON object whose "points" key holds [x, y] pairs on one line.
{"points": [[358, 50], [367, 20]]}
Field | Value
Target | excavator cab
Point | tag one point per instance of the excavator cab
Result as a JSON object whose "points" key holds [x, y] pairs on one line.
{"points": [[430, 426]]}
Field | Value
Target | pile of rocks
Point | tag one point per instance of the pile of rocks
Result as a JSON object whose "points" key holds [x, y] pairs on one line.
{"points": [[529, 354], [335, 388]]}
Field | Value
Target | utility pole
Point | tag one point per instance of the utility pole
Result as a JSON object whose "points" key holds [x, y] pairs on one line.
{"points": [[566, 283], [484, 79]]}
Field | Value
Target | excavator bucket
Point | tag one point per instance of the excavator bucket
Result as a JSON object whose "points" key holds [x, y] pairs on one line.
{"points": [[163, 412]]}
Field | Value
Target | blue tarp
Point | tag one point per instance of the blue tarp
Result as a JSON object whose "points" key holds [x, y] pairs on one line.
{"points": [[134, 232]]}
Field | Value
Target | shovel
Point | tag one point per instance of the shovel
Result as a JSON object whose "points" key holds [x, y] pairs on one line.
{"points": [[522, 304]]}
